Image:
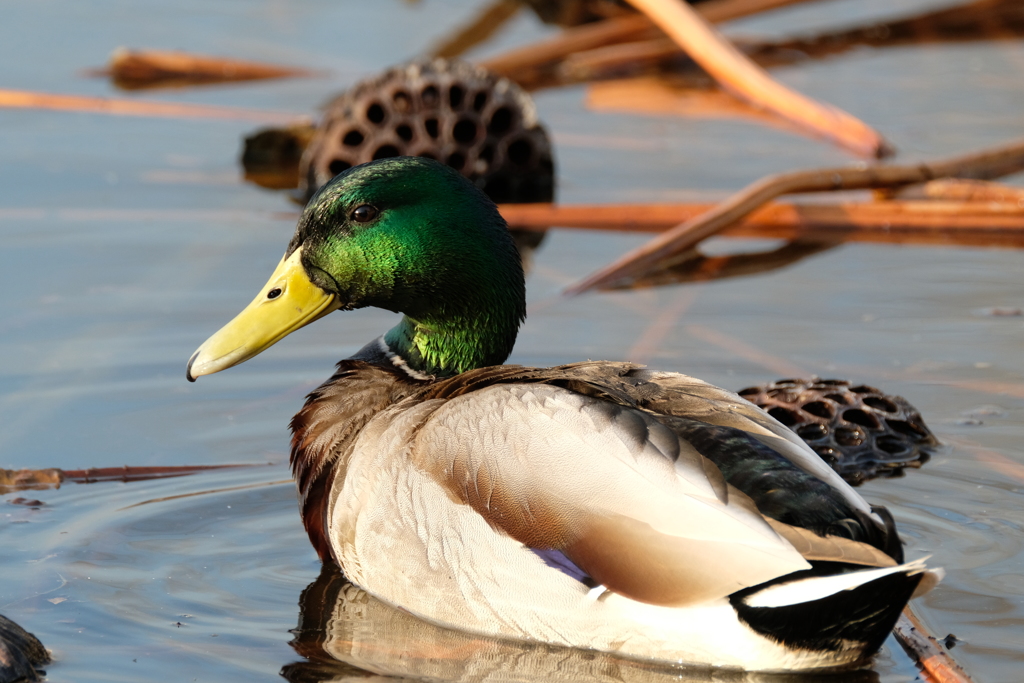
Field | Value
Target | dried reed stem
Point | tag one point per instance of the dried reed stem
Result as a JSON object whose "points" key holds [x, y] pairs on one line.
{"points": [[915, 218], [133, 69], [932, 660], [736, 73], [616, 30], [26, 99], [981, 166], [718, 11]]}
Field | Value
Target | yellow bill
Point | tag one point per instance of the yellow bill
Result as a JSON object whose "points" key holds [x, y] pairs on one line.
{"points": [[287, 302]]}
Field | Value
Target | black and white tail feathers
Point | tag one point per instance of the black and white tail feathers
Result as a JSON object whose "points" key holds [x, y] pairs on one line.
{"points": [[833, 607]]}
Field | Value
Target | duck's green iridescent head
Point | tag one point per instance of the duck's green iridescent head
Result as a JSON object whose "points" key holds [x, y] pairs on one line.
{"points": [[406, 234]]}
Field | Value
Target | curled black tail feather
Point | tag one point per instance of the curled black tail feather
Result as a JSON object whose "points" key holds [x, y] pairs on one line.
{"points": [[860, 618]]}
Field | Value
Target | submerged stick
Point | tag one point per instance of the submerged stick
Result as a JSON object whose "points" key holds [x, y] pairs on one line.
{"points": [[934, 662], [736, 73], [33, 479], [127, 473], [26, 99], [980, 166]]}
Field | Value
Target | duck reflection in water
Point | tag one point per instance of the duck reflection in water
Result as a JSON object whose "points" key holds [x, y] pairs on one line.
{"points": [[344, 634]]}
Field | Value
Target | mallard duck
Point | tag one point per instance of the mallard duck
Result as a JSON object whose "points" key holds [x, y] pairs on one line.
{"points": [[596, 505]]}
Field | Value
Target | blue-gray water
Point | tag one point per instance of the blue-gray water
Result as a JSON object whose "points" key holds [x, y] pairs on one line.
{"points": [[127, 241]]}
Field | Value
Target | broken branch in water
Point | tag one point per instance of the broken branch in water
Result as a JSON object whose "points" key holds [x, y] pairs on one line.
{"points": [[137, 69], [980, 166], [26, 99], [15, 480], [934, 662], [929, 222], [735, 72]]}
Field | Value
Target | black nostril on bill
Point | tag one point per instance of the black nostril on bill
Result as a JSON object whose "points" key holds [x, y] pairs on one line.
{"points": [[274, 293]]}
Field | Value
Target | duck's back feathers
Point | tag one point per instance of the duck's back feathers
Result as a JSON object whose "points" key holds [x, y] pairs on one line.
{"points": [[669, 430]]}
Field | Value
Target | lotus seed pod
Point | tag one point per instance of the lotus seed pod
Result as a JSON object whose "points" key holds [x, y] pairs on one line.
{"points": [[482, 125], [859, 431]]}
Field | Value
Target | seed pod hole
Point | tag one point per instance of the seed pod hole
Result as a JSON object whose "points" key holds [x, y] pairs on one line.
{"points": [[430, 96], [880, 403], [404, 131], [862, 418], [464, 131], [353, 138], [455, 96], [456, 160], [785, 394], [403, 102], [375, 113], [339, 165], [906, 428], [849, 436], [386, 151], [786, 417], [891, 445], [501, 121], [479, 101], [819, 409], [829, 455], [813, 432], [430, 125]]}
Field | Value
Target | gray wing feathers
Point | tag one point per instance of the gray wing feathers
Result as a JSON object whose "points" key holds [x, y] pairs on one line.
{"points": [[637, 508], [693, 398]]}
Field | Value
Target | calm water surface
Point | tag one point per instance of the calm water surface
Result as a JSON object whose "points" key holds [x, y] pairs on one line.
{"points": [[127, 241]]}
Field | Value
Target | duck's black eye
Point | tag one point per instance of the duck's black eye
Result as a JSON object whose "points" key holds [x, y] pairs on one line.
{"points": [[274, 293], [364, 213]]}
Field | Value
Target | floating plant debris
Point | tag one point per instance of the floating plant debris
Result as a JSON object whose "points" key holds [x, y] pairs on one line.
{"points": [[18, 480], [861, 432], [480, 124], [138, 69]]}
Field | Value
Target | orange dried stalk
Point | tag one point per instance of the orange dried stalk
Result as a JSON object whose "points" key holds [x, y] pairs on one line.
{"points": [[982, 165], [136, 69], [27, 99], [742, 77]]}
